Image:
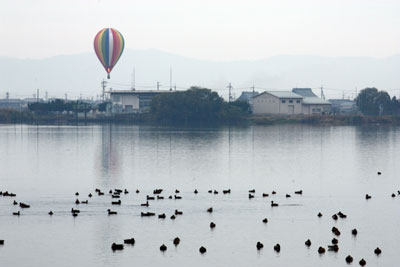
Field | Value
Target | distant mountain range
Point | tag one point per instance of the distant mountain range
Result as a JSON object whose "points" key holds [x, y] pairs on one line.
{"points": [[82, 74]]}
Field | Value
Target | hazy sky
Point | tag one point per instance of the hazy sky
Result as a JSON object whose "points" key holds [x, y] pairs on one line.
{"points": [[205, 29]]}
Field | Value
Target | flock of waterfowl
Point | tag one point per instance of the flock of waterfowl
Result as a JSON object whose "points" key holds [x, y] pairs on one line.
{"points": [[116, 200]]}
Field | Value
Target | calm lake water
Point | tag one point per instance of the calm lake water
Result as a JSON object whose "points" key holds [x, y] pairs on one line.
{"points": [[334, 166]]}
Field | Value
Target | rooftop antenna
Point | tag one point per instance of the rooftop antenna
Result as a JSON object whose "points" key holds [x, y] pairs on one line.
{"points": [[252, 89], [133, 80], [7, 95]]}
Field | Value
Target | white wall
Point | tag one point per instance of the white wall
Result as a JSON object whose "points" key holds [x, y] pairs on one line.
{"points": [[269, 104]]}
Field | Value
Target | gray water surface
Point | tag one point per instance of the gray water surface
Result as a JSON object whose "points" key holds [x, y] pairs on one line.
{"points": [[334, 166]]}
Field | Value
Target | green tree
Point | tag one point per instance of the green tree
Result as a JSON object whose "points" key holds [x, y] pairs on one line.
{"points": [[372, 102], [195, 105]]}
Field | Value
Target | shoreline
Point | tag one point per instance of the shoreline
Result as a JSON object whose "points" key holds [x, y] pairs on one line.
{"points": [[28, 117]]}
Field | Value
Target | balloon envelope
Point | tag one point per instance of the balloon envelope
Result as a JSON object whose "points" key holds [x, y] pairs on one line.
{"points": [[109, 45]]}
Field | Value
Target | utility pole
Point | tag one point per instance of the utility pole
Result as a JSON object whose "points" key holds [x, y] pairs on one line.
{"points": [[66, 97], [104, 84], [158, 86], [170, 78], [7, 95], [46, 95], [356, 94], [37, 95], [230, 92], [133, 80], [343, 95], [252, 89], [322, 93], [175, 87]]}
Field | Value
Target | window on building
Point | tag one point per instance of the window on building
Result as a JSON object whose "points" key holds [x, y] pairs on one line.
{"points": [[298, 101], [290, 101], [283, 101]]}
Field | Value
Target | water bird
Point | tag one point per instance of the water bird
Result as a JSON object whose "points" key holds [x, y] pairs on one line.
{"points": [[287, 195], [335, 217], [202, 250], [377, 251], [76, 194], [16, 213], [115, 247], [173, 217], [176, 241], [354, 232], [308, 243], [300, 192], [97, 190], [334, 241], [7, 194], [367, 196], [177, 212], [15, 203], [210, 191], [163, 248], [177, 197], [334, 248], [273, 204], [259, 245], [321, 250], [160, 197], [265, 220], [110, 192], [195, 191], [277, 248], [77, 202], [157, 191], [273, 192], [319, 214], [1, 242], [90, 195], [137, 191], [362, 262], [24, 206], [252, 191], [228, 191], [162, 216], [342, 215], [130, 241], [145, 204], [51, 213], [335, 231], [393, 195], [149, 197], [75, 211], [74, 214], [210, 210], [379, 173], [116, 202], [215, 192], [177, 191], [115, 196], [147, 214], [349, 259], [110, 212], [100, 193], [118, 191], [265, 195], [126, 191], [251, 196], [170, 197], [212, 225], [85, 202]]}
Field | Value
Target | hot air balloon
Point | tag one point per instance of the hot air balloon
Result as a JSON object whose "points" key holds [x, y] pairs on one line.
{"points": [[109, 45]]}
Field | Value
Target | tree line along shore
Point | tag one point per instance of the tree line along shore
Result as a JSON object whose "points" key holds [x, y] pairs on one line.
{"points": [[201, 106]]}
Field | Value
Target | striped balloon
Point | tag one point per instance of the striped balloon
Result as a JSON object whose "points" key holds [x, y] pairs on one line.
{"points": [[109, 45]]}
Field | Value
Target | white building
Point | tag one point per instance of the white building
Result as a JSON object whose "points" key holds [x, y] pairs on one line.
{"points": [[299, 101], [132, 101]]}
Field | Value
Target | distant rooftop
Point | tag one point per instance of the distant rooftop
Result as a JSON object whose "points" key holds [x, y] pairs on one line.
{"points": [[306, 92], [315, 100], [283, 94], [138, 91], [246, 96]]}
